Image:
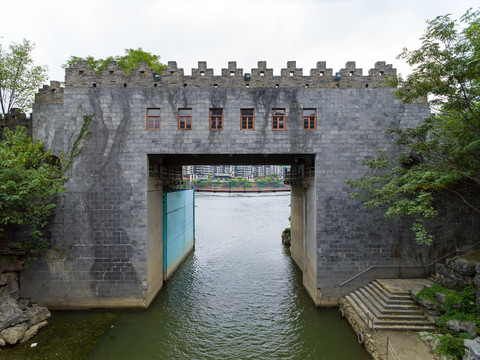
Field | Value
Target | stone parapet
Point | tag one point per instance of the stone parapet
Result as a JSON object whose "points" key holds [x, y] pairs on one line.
{"points": [[81, 75], [52, 93]]}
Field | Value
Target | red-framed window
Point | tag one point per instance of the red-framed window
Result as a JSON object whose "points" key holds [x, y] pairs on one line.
{"points": [[185, 119], [153, 119], [216, 119], [247, 119], [309, 119], [278, 119]]}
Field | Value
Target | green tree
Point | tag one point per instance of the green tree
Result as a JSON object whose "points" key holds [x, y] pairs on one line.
{"points": [[127, 62], [30, 180], [19, 77], [440, 156]]}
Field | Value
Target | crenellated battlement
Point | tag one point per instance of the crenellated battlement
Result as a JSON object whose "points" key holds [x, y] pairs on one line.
{"points": [[52, 93], [13, 119], [81, 75]]}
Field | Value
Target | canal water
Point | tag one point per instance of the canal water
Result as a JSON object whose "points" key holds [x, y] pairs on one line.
{"points": [[237, 296]]}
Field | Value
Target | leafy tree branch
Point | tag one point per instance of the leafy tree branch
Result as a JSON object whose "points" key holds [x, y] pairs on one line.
{"points": [[440, 156]]}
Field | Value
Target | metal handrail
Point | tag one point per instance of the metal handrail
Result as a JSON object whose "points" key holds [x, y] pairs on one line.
{"points": [[407, 266]]}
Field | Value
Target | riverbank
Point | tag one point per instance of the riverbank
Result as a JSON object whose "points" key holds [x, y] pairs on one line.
{"points": [[64, 338]]}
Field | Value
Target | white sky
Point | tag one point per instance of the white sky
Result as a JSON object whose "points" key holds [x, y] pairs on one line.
{"points": [[218, 31]]}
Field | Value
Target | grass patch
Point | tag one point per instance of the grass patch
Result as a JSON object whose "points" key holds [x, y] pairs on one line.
{"points": [[65, 339], [459, 305], [451, 346]]}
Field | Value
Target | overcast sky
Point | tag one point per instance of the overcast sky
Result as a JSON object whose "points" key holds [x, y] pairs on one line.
{"points": [[219, 31]]}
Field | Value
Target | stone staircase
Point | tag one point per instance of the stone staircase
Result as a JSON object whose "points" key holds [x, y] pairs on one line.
{"points": [[381, 308]]}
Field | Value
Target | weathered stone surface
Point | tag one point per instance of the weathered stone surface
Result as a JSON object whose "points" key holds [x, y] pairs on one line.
{"points": [[464, 267], [13, 334], [13, 290], [473, 349], [33, 331], [441, 300], [37, 314], [7, 278], [10, 263], [427, 303], [462, 326], [10, 313], [23, 303]]}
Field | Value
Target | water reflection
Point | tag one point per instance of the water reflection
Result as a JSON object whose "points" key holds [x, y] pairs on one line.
{"points": [[238, 296]]}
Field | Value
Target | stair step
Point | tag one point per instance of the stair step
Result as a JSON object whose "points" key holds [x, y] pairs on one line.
{"points": [[357, 309], [385, 297], [392, 295], [409, 308], [365, 314], [381, 313], [414, 328], [376, 305], [415, 322]]}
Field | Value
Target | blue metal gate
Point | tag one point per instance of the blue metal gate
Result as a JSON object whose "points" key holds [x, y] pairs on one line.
{"points": [[178, 228]]}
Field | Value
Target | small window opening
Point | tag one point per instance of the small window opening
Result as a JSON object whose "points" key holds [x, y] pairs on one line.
{"points": [[202, 73], [351, 73], [366, 85], [184, 85], [262, 73], [306, 86], [80, 72], [232, 73], [94, 85], [337, 85], [215, 85], [124, 85], [142, 72], [54, 91], [247, 85], [155, 85], [381, 73], [277, 86], [292, 73], [111, 72], [321, 73], [172, 72]]}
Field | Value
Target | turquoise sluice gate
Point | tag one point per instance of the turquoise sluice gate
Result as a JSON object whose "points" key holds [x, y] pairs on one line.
{"points": [[178, 228]]}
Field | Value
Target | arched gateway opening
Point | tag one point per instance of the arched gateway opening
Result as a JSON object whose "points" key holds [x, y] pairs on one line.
{"points": [[170, 219]]}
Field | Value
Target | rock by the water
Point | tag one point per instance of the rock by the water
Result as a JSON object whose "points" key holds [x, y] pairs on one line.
{"points": [[17, 324], [33, 331], [13, 334], [37, 314], [10, 313]]}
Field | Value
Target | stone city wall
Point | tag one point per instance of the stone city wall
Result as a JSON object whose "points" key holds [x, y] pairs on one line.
{"points": [[101, 227]]}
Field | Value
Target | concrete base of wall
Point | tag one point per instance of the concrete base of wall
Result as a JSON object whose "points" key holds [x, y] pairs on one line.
{"points": [[94, 303]]}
